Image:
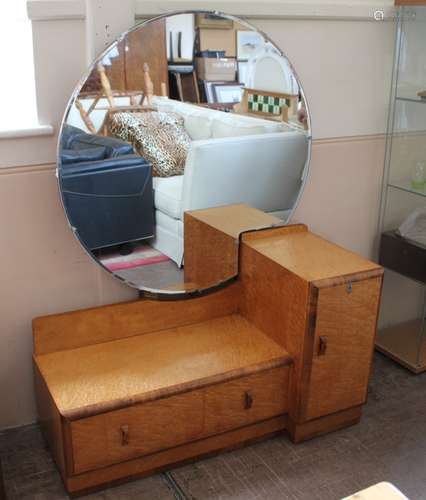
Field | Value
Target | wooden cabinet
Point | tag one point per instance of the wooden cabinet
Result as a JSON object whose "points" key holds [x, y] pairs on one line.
{"points": [[320, 302], [147, 45], [125, 71], [128, 389]]}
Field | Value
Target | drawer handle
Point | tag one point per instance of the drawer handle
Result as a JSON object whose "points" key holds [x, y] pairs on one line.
{"points": [[248, 400], [124, 435], [322, 347]]}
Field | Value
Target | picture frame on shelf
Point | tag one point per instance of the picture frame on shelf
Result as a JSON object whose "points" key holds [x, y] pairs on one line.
{"points": [[209, 92], [228, 92], [248, 42]]}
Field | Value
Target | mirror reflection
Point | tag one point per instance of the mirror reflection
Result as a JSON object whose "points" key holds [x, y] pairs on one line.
{"points": [[185, 112]]}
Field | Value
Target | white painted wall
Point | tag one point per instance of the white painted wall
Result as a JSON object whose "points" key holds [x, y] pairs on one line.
{"points": [[344, 61]]}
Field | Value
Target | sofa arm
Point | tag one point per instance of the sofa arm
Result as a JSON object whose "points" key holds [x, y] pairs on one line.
{"points": [[264, 171], [125, 177], [77, 139], [114, 147], [107, 164]]}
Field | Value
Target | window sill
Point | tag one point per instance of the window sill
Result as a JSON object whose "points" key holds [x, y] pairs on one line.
{"points": [[34, 131]]}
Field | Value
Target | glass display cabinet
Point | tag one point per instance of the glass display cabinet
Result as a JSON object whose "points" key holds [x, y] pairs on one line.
{"points": [[402, 326]]}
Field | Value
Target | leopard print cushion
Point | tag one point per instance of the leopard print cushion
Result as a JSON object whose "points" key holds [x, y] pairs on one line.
{"points": [[159, 137]]}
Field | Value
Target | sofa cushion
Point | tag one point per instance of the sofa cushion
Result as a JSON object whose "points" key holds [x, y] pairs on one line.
{"points": [[223, 129], [170, 224], [198, 126], [168, 195], [205, 123], [159, 137], [231, 125], [197, 119]]}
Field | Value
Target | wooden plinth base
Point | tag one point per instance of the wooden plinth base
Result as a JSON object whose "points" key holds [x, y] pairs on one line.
{"points": [[323, 425]]}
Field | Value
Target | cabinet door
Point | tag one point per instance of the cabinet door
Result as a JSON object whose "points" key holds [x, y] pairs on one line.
{"points": [[343, 345]]}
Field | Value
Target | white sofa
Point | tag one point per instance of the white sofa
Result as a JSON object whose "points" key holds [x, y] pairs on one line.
{"points": [[232, 159]]}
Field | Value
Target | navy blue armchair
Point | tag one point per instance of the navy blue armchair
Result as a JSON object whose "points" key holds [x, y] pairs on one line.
{"points": [[106, 189]]}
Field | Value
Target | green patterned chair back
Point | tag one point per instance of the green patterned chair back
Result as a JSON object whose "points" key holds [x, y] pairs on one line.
{"points": [[269, 103]]}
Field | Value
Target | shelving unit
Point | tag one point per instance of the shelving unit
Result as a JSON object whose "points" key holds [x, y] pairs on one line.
{"points": [[402, 325]]}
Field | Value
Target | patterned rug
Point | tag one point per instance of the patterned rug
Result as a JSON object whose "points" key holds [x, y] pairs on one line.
{"points": [[142, 255]]}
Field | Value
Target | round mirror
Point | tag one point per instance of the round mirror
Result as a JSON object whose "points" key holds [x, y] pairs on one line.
{"points": [[186, 112]]}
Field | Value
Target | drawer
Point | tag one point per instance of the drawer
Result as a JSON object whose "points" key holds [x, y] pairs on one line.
{"points": [[246, 400], [138, 430], [142, 429]]}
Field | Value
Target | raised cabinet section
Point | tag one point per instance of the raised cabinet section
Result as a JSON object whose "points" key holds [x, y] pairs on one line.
{"points": [[344, 329], [211, 241], [320, 302]]}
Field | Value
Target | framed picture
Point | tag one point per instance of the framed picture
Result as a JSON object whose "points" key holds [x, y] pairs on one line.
{"points": [[242, 72], [228, 92], [247, 43], [208, 90]]}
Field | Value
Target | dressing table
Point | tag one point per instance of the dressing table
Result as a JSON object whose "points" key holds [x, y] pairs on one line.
{"points": [[128, 389], [247, 325]]}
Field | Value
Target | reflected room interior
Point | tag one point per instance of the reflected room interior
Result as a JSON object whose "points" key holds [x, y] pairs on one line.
{"points": [[185, 112]]}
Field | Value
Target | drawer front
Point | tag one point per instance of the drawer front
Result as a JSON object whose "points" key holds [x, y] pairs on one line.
{"points": [[246, 400], [146, 428], [138, 430], [343, 346]]}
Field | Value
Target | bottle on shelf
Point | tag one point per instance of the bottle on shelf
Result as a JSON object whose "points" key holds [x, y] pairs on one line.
{"points": [[418, 175]]}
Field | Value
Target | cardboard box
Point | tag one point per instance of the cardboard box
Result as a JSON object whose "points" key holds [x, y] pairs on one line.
{"points": [[213, 22], [210, 68], [218, 39]]}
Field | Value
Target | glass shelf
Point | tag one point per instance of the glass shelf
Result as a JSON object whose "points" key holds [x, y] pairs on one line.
{"points": [[405, 185]]}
